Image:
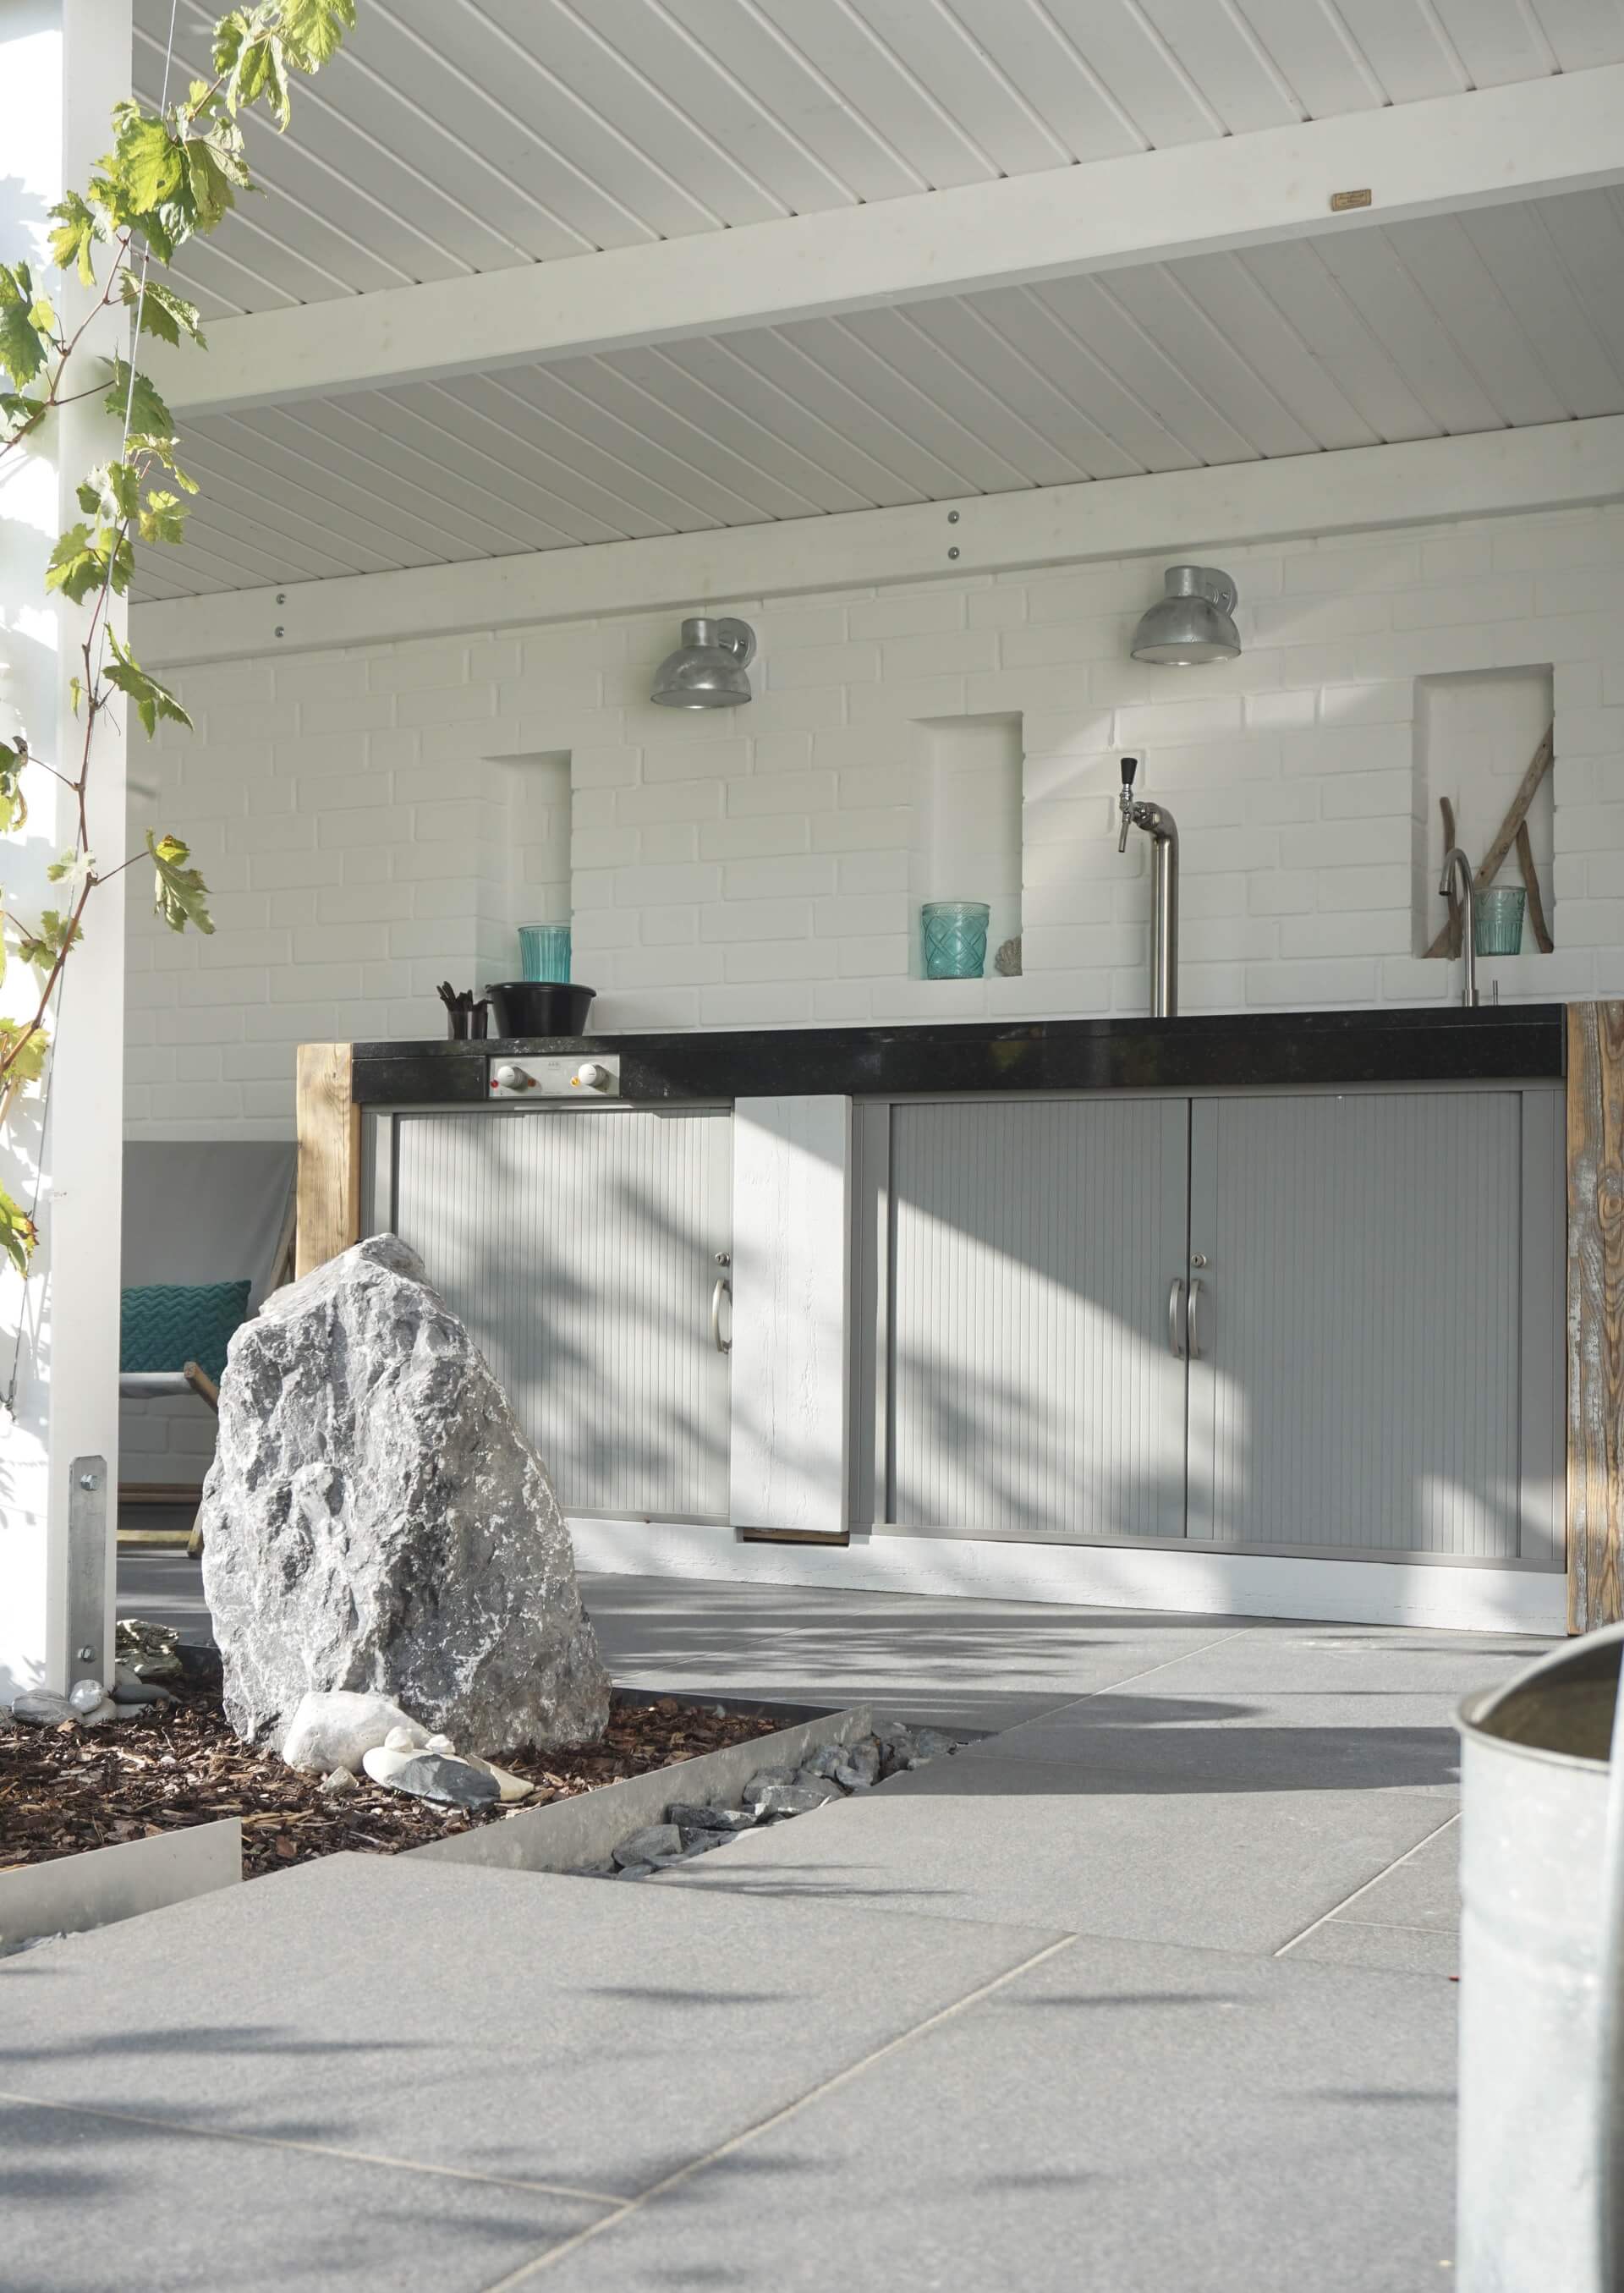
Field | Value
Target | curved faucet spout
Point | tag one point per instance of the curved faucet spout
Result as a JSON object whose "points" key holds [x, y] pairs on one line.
{"points": [[1456, 864]]}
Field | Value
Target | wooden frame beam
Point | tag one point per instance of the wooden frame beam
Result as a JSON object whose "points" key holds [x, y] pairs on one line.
{"points": [[1525, 141], [328, 1178], [1555, 466]]}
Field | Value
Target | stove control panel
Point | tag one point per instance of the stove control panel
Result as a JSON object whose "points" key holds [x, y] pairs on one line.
{"points": [[592, 1075]]}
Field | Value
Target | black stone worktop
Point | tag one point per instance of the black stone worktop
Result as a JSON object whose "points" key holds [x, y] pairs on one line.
{"points": [[1517, 1042]]}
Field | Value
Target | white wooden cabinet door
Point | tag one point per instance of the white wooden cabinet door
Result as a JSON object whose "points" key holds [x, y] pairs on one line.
{"points": [[1359, 1385], [580, 1245], [1032, 1391]]}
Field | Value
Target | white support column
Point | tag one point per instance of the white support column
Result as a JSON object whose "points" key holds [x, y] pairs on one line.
{"points": [[792, 1267], [63, 64]]}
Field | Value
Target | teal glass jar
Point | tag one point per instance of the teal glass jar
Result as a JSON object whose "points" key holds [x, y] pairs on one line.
{"points": [[544, 952], [1498, 927], [954, 938]]}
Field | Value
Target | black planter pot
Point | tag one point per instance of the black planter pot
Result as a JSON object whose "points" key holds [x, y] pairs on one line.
{"points": [[539, 1007]]}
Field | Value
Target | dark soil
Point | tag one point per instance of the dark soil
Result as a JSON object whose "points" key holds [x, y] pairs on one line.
{"points": [[63, 1789]]}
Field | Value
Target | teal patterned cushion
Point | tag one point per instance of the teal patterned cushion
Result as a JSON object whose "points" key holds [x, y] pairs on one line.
{"points": [[167, 1324]]}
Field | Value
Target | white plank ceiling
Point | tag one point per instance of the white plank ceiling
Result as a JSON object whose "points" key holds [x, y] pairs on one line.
{"points": [[1508, 315], [466, 136]]}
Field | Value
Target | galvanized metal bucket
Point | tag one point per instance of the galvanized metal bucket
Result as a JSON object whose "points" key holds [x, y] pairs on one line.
{"points": [[1540, 1973]]}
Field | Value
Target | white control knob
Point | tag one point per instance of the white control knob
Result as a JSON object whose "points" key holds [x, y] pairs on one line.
{"points": [[512, 1078], [591, 1076]]}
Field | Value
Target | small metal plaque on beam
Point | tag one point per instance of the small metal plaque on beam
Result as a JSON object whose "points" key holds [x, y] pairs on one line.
{"points": [[1341, 201]]}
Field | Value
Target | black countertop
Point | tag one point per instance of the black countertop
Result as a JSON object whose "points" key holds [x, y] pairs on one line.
{"points": [[1518, 1043]]}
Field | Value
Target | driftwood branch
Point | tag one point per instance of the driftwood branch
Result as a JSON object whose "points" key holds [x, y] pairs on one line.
{"points": [[1447, 941], [1531, 882]]}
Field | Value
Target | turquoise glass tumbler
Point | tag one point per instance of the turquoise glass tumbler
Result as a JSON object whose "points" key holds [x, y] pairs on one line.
{"points": [[1500, 920], [956, 938], [544, 952]]}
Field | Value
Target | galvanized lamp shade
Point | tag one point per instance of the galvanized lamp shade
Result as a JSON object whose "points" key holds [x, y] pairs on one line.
{"points": [[1191, 623], [707, 668]]}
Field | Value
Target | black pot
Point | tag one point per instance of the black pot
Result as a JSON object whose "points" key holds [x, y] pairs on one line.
{"points": [[539, 1007]]}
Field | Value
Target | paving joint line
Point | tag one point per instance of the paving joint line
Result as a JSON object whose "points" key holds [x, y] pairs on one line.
{"points": [[1397, 1863], [1111, 1686], [529, 2270], [314, 2149]]}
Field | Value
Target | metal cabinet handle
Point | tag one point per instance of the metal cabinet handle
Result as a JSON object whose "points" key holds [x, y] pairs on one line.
{"points": [[1191, 1337], [724, 1289], [1176, 1319]]}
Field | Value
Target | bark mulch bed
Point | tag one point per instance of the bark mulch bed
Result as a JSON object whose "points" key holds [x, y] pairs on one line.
{"points": [[63, 1789]]}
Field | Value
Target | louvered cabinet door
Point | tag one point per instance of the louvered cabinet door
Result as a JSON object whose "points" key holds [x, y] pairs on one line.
{"points": [[580, 1247], [1032, 1391], [1359, 1384]]}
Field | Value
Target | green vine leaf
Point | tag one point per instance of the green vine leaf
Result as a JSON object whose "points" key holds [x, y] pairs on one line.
{"points": [[57, 933], [76, 569], [314, 31], [14, 803], [143, 446], [148, 412], [154, 702], [78, 227], [249, 53], [163, 518], [82, 560], [181, 896], [23, 345], [111, 492], [16, 412], [19, 1236], [145, 161], [163, 312], [23, 1051], [75, 869]]}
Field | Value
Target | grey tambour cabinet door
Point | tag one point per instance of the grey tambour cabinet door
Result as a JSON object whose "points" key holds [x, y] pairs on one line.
{"points": [[1032, 1389], [580, 1245], [1358, 1384]]}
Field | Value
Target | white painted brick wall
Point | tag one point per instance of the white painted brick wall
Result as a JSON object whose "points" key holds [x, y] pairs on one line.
{"points": [[347, 808]]}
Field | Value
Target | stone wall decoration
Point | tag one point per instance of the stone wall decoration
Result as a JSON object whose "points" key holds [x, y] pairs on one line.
{"points": [[375, 1519]]}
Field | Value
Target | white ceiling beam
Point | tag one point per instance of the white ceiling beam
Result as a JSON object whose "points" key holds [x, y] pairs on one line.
{"points": [[1450, 152], [1558, 466]]}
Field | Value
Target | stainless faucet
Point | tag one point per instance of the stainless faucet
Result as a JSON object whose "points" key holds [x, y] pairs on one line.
{"points": [[1456, 862], [1160, 826]]}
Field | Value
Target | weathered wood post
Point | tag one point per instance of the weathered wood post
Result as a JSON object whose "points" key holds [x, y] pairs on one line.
{"points": [[329, 1182], [1595, 1314]]}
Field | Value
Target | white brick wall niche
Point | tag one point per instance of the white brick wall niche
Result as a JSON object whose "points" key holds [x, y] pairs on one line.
{"points": [[967, 840], [1476, 735]]}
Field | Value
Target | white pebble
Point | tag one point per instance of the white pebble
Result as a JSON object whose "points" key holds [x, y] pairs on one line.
{"points": [[84, 1695]]}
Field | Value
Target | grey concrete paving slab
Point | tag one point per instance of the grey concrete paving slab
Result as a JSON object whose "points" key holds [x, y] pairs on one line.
{"points": [[100, 2204], [1035, 1842], [1423, 1890], [1121, 2119], [1156, 1739], [1351, 1661], [572, 2031], [1403, 1950], [976, 1663]]}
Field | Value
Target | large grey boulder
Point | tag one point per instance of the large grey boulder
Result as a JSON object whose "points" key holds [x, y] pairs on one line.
{"points": [[375, 1519]]}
